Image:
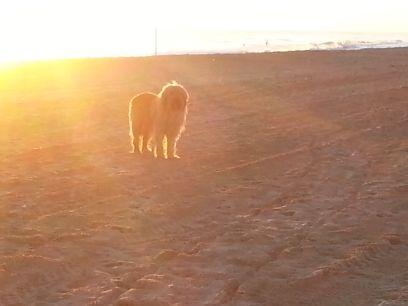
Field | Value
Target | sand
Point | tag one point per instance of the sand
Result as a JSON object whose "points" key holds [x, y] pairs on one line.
{"points": [[292, 187]]}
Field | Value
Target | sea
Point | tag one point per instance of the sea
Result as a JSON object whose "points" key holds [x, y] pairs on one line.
{"points": [[234, 41]]}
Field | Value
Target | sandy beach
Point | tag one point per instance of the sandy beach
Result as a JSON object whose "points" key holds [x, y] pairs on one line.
{"points": [[292, 187]]}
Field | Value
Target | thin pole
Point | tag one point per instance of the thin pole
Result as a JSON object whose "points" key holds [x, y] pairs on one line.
{"points": [[155, 41]]}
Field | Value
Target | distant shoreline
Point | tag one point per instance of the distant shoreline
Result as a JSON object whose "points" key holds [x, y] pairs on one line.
{"points": [[12, 64]]}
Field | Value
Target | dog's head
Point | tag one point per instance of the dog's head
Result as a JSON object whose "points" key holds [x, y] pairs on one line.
{"points": [[174, 97]]}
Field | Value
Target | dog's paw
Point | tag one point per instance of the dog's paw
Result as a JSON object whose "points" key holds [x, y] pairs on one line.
{"points": [[159, 157], [175, 156], [137, 153]]}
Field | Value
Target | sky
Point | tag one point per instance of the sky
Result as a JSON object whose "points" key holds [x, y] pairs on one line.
{"points": [[31, 29]]}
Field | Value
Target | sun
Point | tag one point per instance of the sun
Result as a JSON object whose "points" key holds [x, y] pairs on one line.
{"points": [[48, 29]]}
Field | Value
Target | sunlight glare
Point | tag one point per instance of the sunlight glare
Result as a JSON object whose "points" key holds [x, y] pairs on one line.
{"points": [[46, 29]]}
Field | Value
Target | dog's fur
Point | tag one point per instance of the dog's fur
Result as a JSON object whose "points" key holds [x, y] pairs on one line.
{"points": [[153, 117]]}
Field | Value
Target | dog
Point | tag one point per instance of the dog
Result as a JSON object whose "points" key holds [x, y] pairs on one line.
{"points": [[154, 118]]}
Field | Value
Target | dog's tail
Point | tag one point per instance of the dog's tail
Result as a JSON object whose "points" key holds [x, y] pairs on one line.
{"points": [[132, 124]]}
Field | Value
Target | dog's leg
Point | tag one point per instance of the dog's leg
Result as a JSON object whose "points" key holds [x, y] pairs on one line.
{"points": [[146, 144], [171, 147], [158, 141], [136, 143], [132, 149]]}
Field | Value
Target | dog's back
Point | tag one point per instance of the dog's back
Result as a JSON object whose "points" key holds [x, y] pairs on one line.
{"points": [[142, 112]]}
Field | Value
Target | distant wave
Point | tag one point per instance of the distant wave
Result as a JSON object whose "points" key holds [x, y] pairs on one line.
{"points": [[358, 45], [282, 45]]}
